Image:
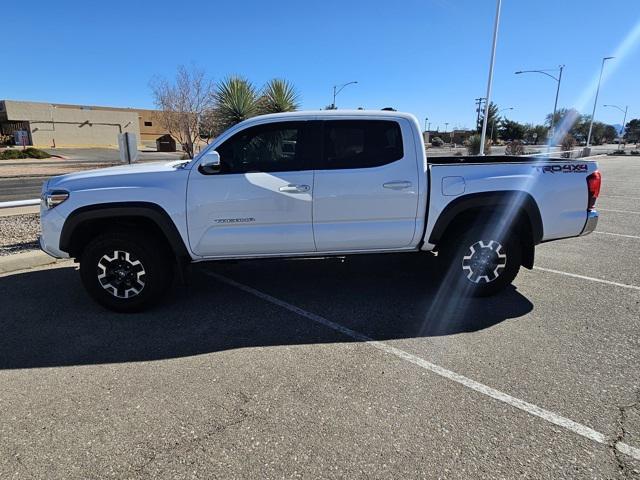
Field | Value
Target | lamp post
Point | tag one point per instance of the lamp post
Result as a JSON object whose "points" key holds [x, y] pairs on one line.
{"points": [[558, 81], [336, 90], [496, 24], [623, 120], [493, 124], [595, 102]]}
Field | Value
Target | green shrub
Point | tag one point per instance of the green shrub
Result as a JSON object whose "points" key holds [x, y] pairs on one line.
{"points": [[35, 153], [437, 142], [619, 152], [12, 155], [473, 145], [635, 152], [568, 144], [514, 148]]}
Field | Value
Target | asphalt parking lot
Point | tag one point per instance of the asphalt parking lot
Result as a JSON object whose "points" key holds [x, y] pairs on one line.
{"points": [[330, 369]]}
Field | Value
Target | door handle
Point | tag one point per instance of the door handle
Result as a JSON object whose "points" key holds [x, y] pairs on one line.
{"points": [[399, 185], [291, 188]]}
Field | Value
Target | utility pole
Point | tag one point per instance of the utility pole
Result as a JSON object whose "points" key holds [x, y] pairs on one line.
{"points": [[478, 102], [492, 62]]}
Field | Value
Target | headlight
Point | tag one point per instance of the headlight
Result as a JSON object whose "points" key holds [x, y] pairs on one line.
{"points": [[53, 198]]}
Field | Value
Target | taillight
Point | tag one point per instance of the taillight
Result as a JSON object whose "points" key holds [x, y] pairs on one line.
{"points": [[593, 185]]}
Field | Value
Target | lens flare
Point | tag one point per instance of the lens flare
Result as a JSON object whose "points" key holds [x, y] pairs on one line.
{"points": [[446, 304]]}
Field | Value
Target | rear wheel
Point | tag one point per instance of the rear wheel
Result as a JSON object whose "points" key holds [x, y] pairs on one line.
{"points": [[125, 272], [481, 261]]}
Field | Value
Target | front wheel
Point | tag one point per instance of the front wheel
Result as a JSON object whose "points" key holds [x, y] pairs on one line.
{"points": [[125, 272], [481, 261]]}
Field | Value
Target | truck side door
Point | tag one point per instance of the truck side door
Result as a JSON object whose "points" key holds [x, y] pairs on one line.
{"points": [[365, 186], [259, 203]]}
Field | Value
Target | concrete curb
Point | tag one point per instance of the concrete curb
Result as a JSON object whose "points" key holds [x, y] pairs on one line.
{"points": [[27, 260]]}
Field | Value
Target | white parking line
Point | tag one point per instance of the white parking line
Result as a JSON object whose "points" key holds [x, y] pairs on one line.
{"points": [[619, 196], [617, 234], [617, 211], [530, 408], [584, 277]]}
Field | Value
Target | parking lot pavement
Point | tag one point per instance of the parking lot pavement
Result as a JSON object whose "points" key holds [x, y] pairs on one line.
{"points": [[362, 368]]}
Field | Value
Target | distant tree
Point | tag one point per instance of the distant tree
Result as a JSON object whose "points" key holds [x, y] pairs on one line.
{"points": [[182, 104], [278, 96], [610, 133], [632, 131], [235, 100], [492, 117], [565, 118], [512, 130], [536, 133]]}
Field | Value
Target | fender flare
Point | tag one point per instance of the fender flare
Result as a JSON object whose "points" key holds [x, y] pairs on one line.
{"points": [[148, 210], [490, 200]]}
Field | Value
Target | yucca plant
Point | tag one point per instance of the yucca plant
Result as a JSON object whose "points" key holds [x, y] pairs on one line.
{"points": [[235, 100], [278, 96], [473, 145]]}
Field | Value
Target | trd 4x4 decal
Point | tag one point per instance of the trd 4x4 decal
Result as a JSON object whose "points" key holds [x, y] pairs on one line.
{"points": [[566, 168]]}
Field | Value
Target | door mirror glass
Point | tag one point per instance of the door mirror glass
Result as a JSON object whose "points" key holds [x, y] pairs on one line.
{"points": [[210, 162]]}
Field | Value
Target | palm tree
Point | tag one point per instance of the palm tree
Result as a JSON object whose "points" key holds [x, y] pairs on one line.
{"points": [[235, 100], [278, 96]]}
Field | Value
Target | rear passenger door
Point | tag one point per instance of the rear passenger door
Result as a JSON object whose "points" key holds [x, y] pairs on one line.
{"points": [[365, 186]]}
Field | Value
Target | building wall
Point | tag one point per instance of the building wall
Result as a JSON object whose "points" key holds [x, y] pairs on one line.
{"points": [[70, 125]]}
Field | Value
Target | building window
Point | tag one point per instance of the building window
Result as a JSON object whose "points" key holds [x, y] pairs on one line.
{"points": [[148, 124]]}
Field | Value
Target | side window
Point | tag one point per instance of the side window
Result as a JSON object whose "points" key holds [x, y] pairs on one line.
{"points": [[272, 147], [361, 143]]}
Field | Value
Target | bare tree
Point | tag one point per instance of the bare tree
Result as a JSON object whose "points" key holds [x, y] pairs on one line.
{"points": [[183, 103]]}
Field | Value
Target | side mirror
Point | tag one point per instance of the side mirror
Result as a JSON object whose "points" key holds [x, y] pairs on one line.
{"points": [[210, 162]]}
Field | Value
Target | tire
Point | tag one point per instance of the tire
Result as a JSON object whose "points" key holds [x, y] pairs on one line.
{"points": [[126, 272], [482, 260]]}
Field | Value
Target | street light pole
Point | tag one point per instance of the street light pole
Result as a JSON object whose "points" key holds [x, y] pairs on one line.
{"points": [[624, 120], [490, 80], [555, 104], [336, 90], [595, 102]]}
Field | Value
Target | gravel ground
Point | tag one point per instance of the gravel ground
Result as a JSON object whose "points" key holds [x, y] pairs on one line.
{"points": [[19, 233]]}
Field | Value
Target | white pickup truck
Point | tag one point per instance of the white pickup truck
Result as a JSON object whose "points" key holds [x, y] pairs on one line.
{"points": [[313, 184]]}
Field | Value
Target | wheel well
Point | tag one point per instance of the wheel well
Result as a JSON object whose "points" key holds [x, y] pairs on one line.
{"points": [[88, 229], [520, 223]]}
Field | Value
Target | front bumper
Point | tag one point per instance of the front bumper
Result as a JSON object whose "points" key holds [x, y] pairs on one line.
{"points": [[51, 223], [591, 223]]}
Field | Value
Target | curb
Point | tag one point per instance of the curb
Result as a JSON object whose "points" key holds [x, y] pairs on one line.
{"points": [[27, 260]]}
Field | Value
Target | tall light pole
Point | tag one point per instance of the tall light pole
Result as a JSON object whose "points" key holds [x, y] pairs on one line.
{"points": [[493, 124], [558, 80], [490, 80], [623, 120], [426, 119], [336, 92], [595, 102]]}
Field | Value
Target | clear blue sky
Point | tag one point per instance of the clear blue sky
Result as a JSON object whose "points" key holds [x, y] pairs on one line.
{"points": [[428, 57]]}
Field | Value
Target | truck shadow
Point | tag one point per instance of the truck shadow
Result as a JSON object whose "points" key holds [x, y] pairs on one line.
{"points": [[47, 320]]}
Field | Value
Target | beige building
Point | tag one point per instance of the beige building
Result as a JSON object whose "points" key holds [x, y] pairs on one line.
{"points": [[64, 125]]}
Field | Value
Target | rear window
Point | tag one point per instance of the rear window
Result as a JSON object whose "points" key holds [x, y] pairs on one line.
{"points": [[361, 143]]}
